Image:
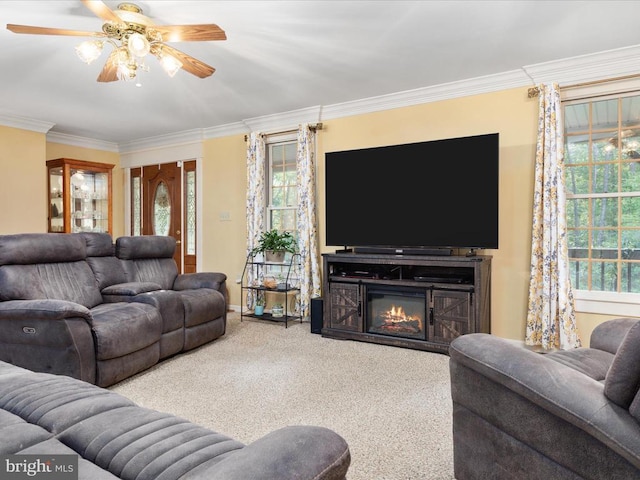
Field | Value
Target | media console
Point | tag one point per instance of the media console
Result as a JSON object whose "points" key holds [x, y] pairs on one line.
{"points": [[413, 301]]}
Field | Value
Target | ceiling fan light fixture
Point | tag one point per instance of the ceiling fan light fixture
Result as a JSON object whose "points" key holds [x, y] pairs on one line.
{"points": [[133, 36], [89, 51], [138, 45], [170, 64]]}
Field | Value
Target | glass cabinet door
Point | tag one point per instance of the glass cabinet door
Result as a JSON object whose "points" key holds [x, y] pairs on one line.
{"points": [[79, 196], [56, 203]]}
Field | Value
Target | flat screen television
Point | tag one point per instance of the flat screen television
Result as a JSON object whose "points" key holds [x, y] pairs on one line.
{"points": [[440, 194]]}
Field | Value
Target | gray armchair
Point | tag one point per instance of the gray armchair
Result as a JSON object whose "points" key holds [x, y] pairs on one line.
{"points": [[571, 414]]}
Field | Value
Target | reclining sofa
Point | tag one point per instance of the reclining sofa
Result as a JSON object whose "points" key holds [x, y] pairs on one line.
{"points": [[571, 414], [79, 305], [111, 437]]}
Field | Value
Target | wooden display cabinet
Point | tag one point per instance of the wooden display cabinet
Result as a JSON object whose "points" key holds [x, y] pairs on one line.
{"points": [[79, 196]]}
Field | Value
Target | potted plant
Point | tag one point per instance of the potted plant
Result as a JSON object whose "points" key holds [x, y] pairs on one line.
{"points": [[277, 310], [259, 307], [275, 244]]}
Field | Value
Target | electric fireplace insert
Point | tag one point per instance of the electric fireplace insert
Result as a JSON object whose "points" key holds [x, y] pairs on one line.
{"points": [[396, 311]]}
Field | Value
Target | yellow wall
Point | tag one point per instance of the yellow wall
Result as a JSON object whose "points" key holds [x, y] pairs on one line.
{"points": [[510, 113], [224, 186], [223, 181], [23, 181], [514, 117]]}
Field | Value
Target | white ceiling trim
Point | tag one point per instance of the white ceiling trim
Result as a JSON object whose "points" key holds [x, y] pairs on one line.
{"points": [[185, 137], [586, 68], [283, 121], [77, 141], [445, 91], [14, 121]]}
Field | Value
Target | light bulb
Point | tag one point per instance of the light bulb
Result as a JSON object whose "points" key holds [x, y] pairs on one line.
{"points": [[138, 45], [170, 64], [90, 50]]}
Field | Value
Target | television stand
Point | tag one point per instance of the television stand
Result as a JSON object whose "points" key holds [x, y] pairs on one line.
{"points": [[442, 297]]}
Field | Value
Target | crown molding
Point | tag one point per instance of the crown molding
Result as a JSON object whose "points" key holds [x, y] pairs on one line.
{"points": [[585, 68], [283, 121], [172, 139], [76, 141], [238, 128], [445, 91], [14, 121]]}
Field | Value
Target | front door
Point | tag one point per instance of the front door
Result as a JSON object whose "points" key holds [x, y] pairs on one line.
{"points": [[162, 203]]}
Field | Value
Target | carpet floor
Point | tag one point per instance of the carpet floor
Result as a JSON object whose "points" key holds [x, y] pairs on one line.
{"points": [[392, 405]]}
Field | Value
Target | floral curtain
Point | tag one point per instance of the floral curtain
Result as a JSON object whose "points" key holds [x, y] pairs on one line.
{"points": [[307, 222], [551, 316], [256, 197]]}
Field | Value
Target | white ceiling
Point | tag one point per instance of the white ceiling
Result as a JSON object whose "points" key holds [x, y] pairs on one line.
{"points": [[282, 56]]}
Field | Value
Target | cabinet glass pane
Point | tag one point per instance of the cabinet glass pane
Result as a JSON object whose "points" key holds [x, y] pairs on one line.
{"points": [[56, 205], [89, 201]]}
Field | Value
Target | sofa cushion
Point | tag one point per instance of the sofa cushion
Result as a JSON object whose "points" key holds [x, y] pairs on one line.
{"points": [[16, 434], [72, 281], [623, 380], [101, 257], [593, 363], [98, 244], [122, 328], [145, 246], [148, 258], [134, 442], [202, 305], [31, 248]]}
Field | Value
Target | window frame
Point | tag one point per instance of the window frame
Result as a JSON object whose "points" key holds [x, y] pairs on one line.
{"points": [[269, 207], [593, 301]]}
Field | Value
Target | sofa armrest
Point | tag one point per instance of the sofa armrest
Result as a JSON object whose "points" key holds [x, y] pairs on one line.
{"points": [[42, 309], [560, 390], [609, 335], [189, 281], [294, 452], [53, 336], [130, 288]]}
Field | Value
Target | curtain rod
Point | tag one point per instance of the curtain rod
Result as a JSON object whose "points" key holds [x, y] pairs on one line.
{"points": [[535, 91], [314, 127]]}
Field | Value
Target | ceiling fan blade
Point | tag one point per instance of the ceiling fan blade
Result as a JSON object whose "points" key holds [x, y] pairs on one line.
{"points": [[189, 63], [109, 72], [102, 11], [190, 33], [51, 31]]}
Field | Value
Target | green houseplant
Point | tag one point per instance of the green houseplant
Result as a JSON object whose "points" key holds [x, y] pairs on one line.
{"points": [[259, 306], [275, 244]]}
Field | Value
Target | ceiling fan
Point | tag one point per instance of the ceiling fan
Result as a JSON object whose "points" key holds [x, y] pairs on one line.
{"points": [[133, 36]]}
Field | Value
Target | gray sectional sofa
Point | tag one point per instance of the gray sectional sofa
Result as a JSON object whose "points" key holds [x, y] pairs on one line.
{"points": [[83, 306], [112, 438], [573, 414]]}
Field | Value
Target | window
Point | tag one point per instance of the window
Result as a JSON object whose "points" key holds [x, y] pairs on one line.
{"points": [[602, 175], [282, 201], [282, 194]]}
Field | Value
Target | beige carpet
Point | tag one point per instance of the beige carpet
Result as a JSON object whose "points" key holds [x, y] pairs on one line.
{"points": [[392, 405]]}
